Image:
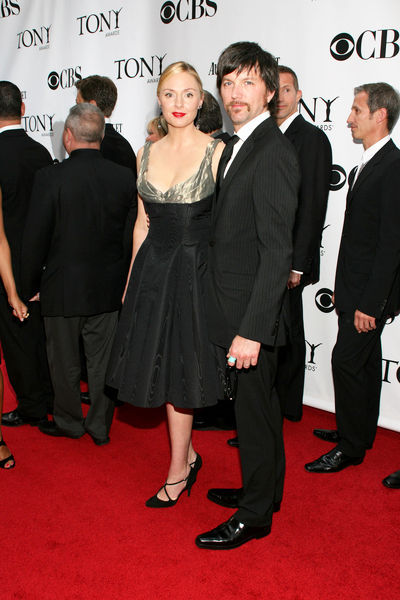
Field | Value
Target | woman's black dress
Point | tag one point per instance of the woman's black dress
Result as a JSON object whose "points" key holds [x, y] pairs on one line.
{"points": [[161, 350]]}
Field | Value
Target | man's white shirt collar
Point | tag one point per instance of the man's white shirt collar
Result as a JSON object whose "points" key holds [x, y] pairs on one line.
{"points": [[372, 150], [368, 154], [10, 128], [245, 132], [287, 122]]}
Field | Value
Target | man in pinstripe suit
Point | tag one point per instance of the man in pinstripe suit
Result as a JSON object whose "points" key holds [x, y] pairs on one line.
{"points": [[250, 257]]}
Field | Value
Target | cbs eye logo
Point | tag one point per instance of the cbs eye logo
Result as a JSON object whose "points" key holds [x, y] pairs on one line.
{"points": [[378, 44], [338, 178], [323, 300], [167, 12], [65, 79], [342, 46], [187, 10]]}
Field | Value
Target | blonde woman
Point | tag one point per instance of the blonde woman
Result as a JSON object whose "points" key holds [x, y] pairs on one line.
{"points": [[162, 354]]}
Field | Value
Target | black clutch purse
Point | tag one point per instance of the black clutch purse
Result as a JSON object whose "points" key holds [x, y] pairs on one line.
{"points": [[230, 383]]}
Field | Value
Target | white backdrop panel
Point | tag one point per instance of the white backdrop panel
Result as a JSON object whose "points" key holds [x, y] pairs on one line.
{"points": [[333, 45]]}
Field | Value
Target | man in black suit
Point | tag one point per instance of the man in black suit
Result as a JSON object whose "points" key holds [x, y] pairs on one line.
{"points": [[75, 248], [23, 344], [102, 92], [367, 286], [315, 160], [249, 261]]}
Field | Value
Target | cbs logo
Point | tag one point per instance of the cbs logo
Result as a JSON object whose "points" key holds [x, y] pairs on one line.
{"points": [[323, 300], [370, 44], [185, 10], [65, 79]]}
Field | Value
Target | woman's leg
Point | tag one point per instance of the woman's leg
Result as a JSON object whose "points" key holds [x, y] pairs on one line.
{"points": [[182, 454], [4, 451]]}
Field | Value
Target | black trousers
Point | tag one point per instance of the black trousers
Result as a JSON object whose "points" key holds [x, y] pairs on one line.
{"points": [[24, 349], [357, 379], [259, 425], [63, 334], [291, 360]]}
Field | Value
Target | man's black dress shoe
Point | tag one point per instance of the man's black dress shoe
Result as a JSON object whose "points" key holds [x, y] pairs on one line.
{"points": [[230, 497], [231, 534], [293, 418], [50, 428], [234, 442], [333, 461], [14, 419], [328, 435], [392, 481], [100, 441]]}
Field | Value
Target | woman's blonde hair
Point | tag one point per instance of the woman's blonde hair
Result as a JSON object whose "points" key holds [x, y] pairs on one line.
{"points": [[160, 124], [174, 69]]}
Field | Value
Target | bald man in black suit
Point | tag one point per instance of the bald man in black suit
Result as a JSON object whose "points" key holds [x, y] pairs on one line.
{"points": [[76, 251]]}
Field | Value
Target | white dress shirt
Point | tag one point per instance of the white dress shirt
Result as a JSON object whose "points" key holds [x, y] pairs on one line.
{"points": [[245, 132], [287, 122], [368, 154]]}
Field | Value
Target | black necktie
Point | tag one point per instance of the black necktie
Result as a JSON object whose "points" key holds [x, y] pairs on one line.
{"points": [[225, 158]]}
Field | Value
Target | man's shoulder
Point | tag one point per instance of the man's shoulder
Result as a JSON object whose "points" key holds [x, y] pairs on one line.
{"points": [[21, 153], [112, 136], [389, 157], [18, 138], [103, 166], [393, 149], [116, 148], [268, 135], [306, 130]]}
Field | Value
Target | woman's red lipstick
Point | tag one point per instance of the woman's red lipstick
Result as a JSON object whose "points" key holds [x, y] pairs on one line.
{"points": [[178, 114]]}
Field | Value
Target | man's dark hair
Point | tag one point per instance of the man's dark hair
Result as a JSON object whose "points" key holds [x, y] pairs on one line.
{"points": [[289, 71], [210, 118], [100, 89], [382, 95], [10, 100], [249, 55]]}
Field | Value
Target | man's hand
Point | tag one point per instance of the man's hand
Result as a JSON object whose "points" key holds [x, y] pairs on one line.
{"points": [[363, 323], [294, 280], [20, 309], [35, 298], [245, 351]]}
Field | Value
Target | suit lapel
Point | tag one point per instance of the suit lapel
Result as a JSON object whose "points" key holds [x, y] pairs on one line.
{"points": [[233, 169], [293, 129], [370, 167], [261, 131]]}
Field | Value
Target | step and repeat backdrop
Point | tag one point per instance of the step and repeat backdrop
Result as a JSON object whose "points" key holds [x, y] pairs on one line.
{"points": [[333, 45]]}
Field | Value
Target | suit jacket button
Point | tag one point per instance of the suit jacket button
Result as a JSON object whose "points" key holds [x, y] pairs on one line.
{"points": [[211, 243]]}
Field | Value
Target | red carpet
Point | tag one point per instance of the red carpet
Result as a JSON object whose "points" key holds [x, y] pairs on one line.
{"points": [[74, 524]]}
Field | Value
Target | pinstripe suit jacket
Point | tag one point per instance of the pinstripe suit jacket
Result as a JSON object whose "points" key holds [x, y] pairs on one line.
{"points": [[250, 250]]}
